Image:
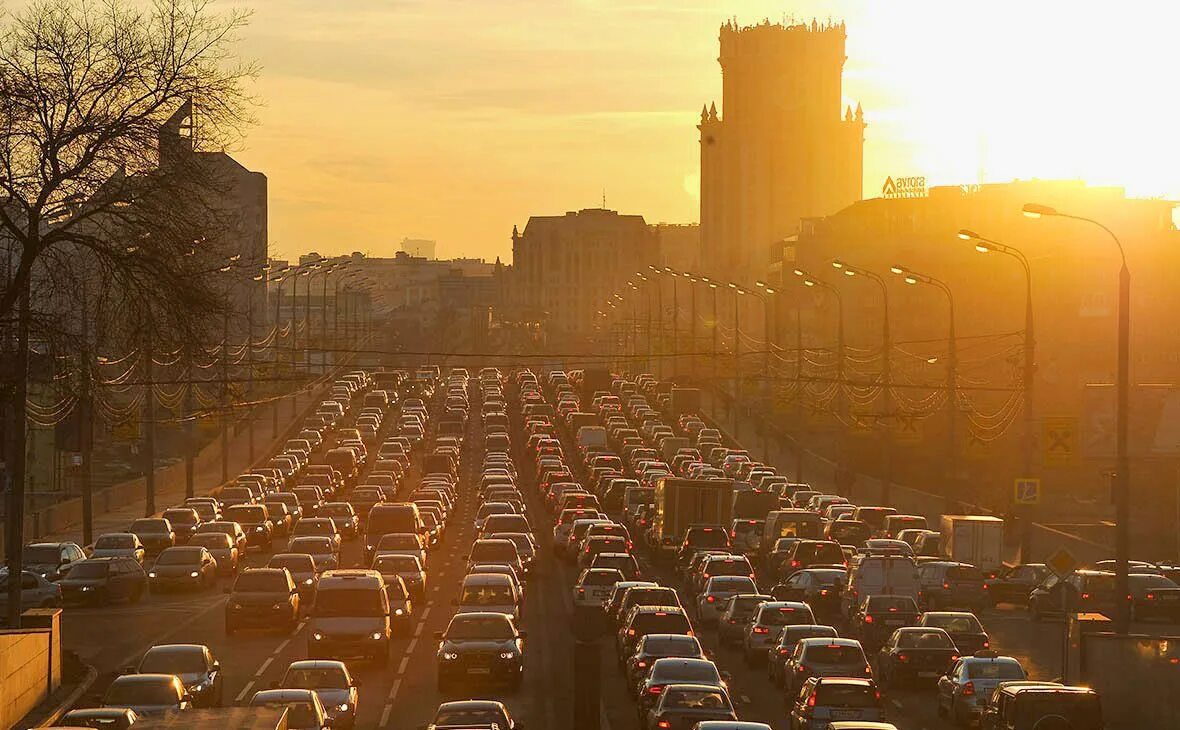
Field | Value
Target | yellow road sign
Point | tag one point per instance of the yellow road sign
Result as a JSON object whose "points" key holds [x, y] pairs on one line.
{"points": [[1062, 563], [907, 430], [1059, 439], [1027, 491]]}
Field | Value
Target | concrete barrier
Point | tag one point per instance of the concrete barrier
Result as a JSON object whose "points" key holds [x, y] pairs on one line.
{"points": [[1137, 676], [30, 669]]}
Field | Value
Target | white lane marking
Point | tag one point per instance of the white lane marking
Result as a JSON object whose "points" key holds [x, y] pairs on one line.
{"points": [[410, 647], [245, 690], [401, 668], [896, 704], [397, 683], [265, 666]]}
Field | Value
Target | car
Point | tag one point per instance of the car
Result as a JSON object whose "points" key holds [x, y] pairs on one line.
{"points": [[1090, 591], [184, 522], [473, 714], [822, 700], [154, 532], [51, 560], [655, 646], [594, 586], [645, 593], [1013, 585], [644, 620], [878, 616], [823, 657], [350, 617], [777, 655], [913, 654], [303, 570], [223, 549], [963, 627], [682, 706], [184, 566], [35, 592], [264, 598], [1019, 705], [401, 606], [820, 588], [148, 694], [233, 529], [102, 580], [1153, 596], [488, 592], [344, 517], [767, 622], [962, 690], [406, 567], [322, 549], [304, 709], [198, 670], [674, 670], [479, 646], [948, 585], [331, 681], [625, 563], [103, 718], [118, 545], [716, 591]]}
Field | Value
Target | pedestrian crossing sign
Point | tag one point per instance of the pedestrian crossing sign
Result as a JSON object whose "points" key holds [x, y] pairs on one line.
{"points": [[1028, 491]]}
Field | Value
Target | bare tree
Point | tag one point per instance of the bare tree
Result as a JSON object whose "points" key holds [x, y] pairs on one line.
{"points": [[99, 189]]}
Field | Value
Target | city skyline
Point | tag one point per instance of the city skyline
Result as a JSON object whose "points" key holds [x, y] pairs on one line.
{"points": [[372, 113]]}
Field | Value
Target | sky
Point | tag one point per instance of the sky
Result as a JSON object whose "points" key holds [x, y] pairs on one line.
{"points": [[456, 119]]}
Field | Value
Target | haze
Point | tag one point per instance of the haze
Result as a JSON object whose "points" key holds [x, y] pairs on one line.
{"points": [[455, 119]]}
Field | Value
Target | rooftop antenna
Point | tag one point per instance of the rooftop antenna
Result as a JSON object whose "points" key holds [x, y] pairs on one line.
{"points": [[604, 198]]}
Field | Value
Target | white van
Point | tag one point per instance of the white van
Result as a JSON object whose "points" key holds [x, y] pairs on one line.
{"points": [[880, 575]]}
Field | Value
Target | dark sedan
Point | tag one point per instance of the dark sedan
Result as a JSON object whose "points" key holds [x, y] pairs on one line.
{"points": [[154, 532], [915, 654], [196, 666], [480, 646], [263, 598], [185, 567]]}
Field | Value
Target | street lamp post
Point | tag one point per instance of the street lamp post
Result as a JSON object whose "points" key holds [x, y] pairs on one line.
{"points": [[647, 327], [737, 357], [692, 326], [987, 245], [811, 281], [952, 376], [675, 276], [886, 374], [1122, 469]]}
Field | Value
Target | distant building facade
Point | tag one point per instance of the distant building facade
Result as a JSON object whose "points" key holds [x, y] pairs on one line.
{"points": [[680, 245], [419, 248], [566, 266], [779, 151]]}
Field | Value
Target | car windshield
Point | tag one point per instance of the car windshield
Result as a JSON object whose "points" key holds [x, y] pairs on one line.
{"points": [[246, 514], [173, 661], [730, 584], [479, 628], [131, 694], [1150, 581], [179, 557], [180, 516], [211, 540], [89, 570], [994, 670], [396, 564], [336, 510], [601, 578], [293, 563], [783, 616], [846, 695], [955, 624], [687, 672], [967, 572], [114, 542], [892, 603], [261, 582], [696, 700], [828, 577], [348, 602], [835, 654], [320, 678], [299, 714], [924, 640], [486, 595], [399, 542], [312, 545]]}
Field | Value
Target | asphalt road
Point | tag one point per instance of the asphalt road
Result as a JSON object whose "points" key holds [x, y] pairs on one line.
{"points": [[405, 694]]}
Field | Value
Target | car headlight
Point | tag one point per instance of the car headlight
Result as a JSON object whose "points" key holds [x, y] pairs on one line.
{"points": [[194, 574], [317, 636], [260, 528], [236, 606], [398, 612], [307, 582], [343, 707], [450, 655], [376, 636], [507, 655], [152, 574], [86, 588], [198, 687]]}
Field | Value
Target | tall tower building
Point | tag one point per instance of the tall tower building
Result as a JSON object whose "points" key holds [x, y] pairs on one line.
{"points": [[780, 150]]}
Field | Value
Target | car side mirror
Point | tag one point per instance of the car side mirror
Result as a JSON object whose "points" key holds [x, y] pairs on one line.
{"points": [[217, 666], [186, 697]]}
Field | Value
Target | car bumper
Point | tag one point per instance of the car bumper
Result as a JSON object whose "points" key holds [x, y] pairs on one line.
{"points": [[265, 617], [337, 646], [500, 670], [172, 583]]}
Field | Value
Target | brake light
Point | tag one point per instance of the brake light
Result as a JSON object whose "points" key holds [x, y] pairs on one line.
{"points": [[968, 689], [710, 599], [1150, 596], [987, 644], [823, 591], [630, 632], [794, 563], [868, 619], [954, 658], [783, 650], [903, 658], [761, 630], [581, 591], [655, 690], [1085, 596], [663, 724], [811, 701], [640, 665], [946, 586]]}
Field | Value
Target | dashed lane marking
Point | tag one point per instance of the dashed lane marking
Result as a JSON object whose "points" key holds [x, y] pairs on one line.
{"points": [[245, 691], [265, 666]]}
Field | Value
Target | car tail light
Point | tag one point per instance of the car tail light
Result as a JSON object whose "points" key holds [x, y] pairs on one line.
{"points": [[630, 632], [946, 586], [655, 690], [710, 599], [794, 563], [581, 591], [1085, 596], [903, 658], [761, 630], [868, 619], [663, 724], [1149, 596], [783, 650], [968, 689], [823, 591], [987, 644], [641, 665], [811, 700]]}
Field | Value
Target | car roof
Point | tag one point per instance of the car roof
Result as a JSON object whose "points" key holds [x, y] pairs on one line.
{"points": [[145, 678], [472, 705], [289, 694], [828, 641], [318, 664]]}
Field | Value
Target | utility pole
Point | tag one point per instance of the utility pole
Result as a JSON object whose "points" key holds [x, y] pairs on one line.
{"points": [[86, 426], [18, 453], [190, 438], [275, 354], [675, 326], [250, 370], [225, 417]]}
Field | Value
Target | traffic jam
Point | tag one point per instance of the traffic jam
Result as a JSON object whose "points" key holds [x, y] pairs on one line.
{"points": [[717, 593]]}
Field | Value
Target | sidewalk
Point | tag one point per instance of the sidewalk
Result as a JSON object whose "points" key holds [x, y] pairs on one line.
{"points": [[116, 506]]}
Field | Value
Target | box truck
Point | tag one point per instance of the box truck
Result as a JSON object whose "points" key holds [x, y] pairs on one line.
{"points": [[974, 539]]}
